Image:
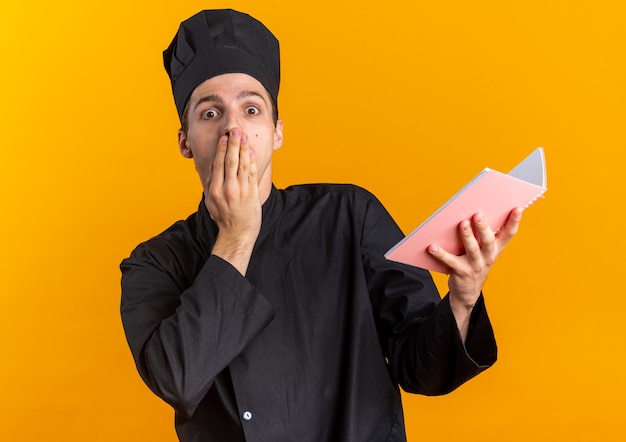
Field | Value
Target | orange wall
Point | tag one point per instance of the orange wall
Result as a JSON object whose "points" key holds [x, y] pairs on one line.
{"points": [[409, 99]]}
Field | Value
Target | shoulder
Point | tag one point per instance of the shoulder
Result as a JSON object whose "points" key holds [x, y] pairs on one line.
{"points": [[334, 202], [172, 244], [336, 192]]}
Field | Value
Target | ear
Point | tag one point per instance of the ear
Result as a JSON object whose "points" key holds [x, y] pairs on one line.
{"points": [[183, 145], [278, 135]]}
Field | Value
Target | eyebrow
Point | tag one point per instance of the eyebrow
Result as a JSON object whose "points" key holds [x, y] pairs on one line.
{"points": [[208, 98], [247, 94], [219, 100]]}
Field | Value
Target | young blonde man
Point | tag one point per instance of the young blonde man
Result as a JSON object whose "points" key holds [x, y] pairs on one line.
{"points": [[272, 315]]}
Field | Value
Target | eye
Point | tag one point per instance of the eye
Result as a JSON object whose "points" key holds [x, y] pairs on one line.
{"points": [[210, 114], [252, 110]]}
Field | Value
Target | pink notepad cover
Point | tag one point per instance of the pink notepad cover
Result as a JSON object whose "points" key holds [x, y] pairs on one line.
{"points": [[491, 192]]}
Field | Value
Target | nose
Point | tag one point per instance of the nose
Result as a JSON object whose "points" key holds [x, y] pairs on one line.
{"points": [[230, 122]]}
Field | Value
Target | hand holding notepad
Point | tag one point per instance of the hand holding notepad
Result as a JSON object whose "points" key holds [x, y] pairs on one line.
{"points": [[491, 192]]}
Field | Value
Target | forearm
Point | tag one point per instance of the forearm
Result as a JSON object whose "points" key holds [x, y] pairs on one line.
{"points": [[468, 272], [237, 251], [432, 358], [179, 352], [462, 311]]}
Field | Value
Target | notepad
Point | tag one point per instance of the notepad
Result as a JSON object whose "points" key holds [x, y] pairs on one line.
{"points": [[491, 192]]}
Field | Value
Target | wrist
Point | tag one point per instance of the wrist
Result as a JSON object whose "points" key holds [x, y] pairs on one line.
{"points": [[236, 251], [462, 308], [462, 302]]}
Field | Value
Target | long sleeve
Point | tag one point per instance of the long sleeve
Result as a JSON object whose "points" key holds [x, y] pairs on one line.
{"points": [[434, 345], [183, 337], [417, 330]]}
